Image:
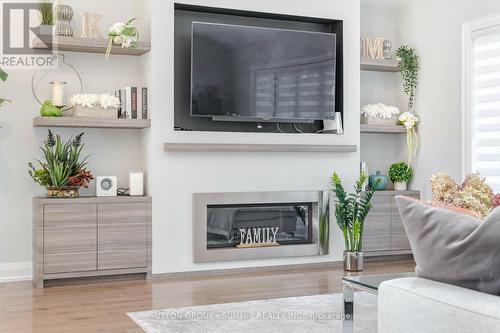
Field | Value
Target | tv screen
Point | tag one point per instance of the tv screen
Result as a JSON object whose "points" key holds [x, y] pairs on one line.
{"points": [[257, 74]]}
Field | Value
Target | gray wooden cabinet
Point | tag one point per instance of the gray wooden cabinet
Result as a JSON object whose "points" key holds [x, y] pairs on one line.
{"points": [[384, 233], [91, 236]]}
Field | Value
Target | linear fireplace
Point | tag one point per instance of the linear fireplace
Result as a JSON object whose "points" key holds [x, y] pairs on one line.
{"points": [[255, 225]]}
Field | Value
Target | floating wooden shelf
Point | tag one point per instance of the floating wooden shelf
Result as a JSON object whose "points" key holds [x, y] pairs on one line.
{"points": [[389, 129], [385, 65], [88, 45], [175, 146], [393, 192], [91, 122]]}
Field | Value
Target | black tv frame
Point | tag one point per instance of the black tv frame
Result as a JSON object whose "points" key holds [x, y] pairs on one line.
{"points": [[333, 26]]}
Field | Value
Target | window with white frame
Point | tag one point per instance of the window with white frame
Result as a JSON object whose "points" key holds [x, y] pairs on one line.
{"points": [[482, 103]]}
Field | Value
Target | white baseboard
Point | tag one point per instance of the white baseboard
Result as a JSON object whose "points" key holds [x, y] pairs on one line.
{"points": [[16, 271]]}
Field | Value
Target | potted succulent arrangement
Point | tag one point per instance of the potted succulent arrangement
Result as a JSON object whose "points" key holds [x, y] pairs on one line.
{"points": [[63, 172], [351, 211], [400, 174]]}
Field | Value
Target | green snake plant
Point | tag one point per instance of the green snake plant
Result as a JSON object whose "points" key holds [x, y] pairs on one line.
{"points": [[351, 211]]}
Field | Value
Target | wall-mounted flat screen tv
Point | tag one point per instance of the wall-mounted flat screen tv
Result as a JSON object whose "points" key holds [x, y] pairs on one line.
{"points": [[244, 73]]}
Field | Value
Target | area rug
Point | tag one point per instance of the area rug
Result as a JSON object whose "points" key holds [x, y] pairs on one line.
{"points": [[310, 314]]}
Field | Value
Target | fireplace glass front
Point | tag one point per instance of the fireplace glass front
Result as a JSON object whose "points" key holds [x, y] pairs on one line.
{"points": [[293, 220]]}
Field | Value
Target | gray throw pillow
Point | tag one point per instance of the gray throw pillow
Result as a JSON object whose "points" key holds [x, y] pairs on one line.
{"points": [[453, 247]]}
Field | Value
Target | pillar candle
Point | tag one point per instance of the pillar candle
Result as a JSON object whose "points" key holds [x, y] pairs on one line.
{"points": [[58, 93]]}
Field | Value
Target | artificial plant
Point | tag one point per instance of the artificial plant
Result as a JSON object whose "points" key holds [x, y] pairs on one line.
{"points": [[63, 165], [122, 34], [400, 172], [351, 211], [46, 12], [324, 223], [3, 77], [409, 66]]}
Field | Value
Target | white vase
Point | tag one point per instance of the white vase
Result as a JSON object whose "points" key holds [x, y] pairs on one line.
{"points": [[400, 186]]}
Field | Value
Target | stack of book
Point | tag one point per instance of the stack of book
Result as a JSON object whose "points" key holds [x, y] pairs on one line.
{"points": [[134, 103]]}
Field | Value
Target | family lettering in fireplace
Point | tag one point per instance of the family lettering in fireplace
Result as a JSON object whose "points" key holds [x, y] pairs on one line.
{"points": [[265, 236]]}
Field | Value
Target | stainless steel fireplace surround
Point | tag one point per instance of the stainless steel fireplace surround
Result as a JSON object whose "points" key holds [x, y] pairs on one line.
{"points": [[298, 242]]}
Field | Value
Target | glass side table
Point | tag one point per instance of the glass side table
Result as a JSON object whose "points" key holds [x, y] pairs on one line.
{"points": [[368, 283]]}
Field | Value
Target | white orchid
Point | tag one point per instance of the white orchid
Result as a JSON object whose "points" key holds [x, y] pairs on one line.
{"points": [[379, 110], [409, 120], [122, 34], [106, 101], [117, 28]]}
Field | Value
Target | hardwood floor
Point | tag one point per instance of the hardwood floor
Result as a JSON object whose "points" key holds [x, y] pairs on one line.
{"points": [[102, 307]]}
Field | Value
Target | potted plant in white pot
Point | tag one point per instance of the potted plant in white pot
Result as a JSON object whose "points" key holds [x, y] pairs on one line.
{"points": [[400, 174], [350, 212]]}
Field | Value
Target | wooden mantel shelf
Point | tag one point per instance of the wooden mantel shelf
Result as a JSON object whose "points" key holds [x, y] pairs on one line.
{"points": [[177, 146], [90, 45], [91, 122]]}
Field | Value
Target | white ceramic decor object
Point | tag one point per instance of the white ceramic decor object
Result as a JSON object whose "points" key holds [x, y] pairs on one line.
{"points": [[136, 183]]}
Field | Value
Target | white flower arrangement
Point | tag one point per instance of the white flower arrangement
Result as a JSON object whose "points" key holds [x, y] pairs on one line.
{"points": [[409, 120], [122, 34], [105, 101], [379, 110]]}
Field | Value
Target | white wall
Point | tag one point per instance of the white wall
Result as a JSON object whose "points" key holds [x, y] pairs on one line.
{"points": [[113, 152], [175, 176], [433, 28]]}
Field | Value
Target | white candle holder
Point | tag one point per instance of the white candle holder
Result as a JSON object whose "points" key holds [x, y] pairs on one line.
{"points": [[58, 88]]}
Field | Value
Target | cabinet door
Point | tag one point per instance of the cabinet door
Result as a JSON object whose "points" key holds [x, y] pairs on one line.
{"points": [[399, 239], [377, 230], [70, 238], [122, 235]]}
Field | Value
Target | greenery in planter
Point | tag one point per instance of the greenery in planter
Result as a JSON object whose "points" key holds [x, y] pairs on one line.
{"points": [[351, 211], [409, 70], [324, 223], [400, 172], [62, 166], [3, 77], [46, 12]]}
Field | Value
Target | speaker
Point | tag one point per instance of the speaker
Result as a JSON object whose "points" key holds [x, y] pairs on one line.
{"points": [[106, 186], [136, 183]]}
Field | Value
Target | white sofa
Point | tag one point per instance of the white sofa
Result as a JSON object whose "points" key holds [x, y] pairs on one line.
{"points": [[416, 305]]}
